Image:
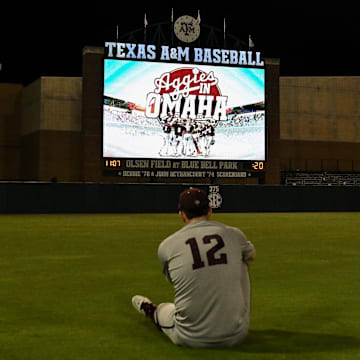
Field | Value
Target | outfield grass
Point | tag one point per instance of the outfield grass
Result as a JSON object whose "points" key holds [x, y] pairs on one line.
{"points": [[66, 284]]}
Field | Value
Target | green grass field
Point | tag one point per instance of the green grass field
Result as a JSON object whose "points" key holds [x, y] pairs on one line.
{"points": [[66, 284]]}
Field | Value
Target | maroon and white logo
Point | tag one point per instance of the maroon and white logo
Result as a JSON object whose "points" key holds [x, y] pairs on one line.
{"points": [[187, 93]]}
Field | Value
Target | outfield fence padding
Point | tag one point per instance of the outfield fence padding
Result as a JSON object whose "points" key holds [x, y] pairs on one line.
{"points": [[47, 197]]}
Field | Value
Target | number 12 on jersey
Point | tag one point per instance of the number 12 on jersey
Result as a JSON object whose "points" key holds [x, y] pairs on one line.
{"points": [[212, 257]]}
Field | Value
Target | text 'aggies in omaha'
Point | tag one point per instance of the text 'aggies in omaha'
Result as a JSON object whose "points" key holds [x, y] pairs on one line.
{"points": [[186, 93]]}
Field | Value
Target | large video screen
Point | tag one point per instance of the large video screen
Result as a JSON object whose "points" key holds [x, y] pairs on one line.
{"points": [[170, 110]]}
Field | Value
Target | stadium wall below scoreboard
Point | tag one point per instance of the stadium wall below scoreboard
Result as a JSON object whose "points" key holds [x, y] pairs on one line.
{"points": [[47, 197]]}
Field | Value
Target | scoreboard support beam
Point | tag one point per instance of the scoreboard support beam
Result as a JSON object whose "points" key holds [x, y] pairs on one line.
{"points": [[272, 68]]}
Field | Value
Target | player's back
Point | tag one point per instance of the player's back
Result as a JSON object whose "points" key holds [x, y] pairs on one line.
{"points": [[204, 261]]}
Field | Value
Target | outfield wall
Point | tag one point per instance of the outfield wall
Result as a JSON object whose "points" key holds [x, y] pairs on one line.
{"points": [[46, 197]]}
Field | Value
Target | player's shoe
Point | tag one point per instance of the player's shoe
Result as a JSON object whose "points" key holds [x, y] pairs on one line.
{"points": [[142, 304]]}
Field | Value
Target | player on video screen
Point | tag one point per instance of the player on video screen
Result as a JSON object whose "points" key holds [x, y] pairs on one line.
{"points": [[209, 137], [188, 143], [179, 130], [196, 138], [166, 137]]}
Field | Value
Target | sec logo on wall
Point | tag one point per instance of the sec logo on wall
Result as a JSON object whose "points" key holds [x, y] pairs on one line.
{"points": [[215, 198]]}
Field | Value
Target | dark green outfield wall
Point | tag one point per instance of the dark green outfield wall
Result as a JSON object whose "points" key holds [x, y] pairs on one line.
{"points": [[135, 198]]}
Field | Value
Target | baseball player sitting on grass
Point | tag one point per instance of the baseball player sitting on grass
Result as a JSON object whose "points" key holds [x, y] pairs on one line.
{"points": [[207, 262]]}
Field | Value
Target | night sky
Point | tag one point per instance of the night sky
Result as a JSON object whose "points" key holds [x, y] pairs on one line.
{"points": [[38, 40]]}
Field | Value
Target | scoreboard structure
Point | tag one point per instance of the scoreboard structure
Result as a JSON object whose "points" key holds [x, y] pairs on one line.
{"points": [[179, 112]]}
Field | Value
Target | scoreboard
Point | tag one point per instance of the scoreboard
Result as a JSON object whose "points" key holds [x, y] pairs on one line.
{"points": [[171, 113]]}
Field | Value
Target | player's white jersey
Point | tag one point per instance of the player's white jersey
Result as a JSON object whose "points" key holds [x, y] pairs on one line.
{"points": [[205, 262]]}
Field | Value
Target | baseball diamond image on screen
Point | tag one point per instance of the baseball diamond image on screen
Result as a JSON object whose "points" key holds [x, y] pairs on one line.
{"points": [[172, 110]]}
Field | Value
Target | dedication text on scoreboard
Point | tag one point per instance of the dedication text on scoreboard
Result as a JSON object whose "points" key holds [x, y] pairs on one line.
{"points": [[176, 168]]}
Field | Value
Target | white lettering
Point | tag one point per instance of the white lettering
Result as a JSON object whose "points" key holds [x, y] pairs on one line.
{"points": [[217, 58], [164, 103], [131, 53], [205, 88], [141, 52], [183, 86], [168, 106], [220, 108], [250, 60], [153, 102], [189, 107], [120, 50], [207, 56], [258, 61], [164, 53], [151, 52], [233, 57], [198, 55], [205, 107], [110, 46], [224, 56], [183, 54], [242, 59]]}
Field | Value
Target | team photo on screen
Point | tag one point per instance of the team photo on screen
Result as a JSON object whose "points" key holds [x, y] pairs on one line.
{"points": [[171, 110]]}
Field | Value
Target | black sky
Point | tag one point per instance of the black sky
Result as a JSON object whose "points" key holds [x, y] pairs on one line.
{"points": [[47, 40]]}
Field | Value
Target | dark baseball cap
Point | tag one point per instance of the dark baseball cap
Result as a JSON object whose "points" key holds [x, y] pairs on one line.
{"points": [[193, 199]]}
